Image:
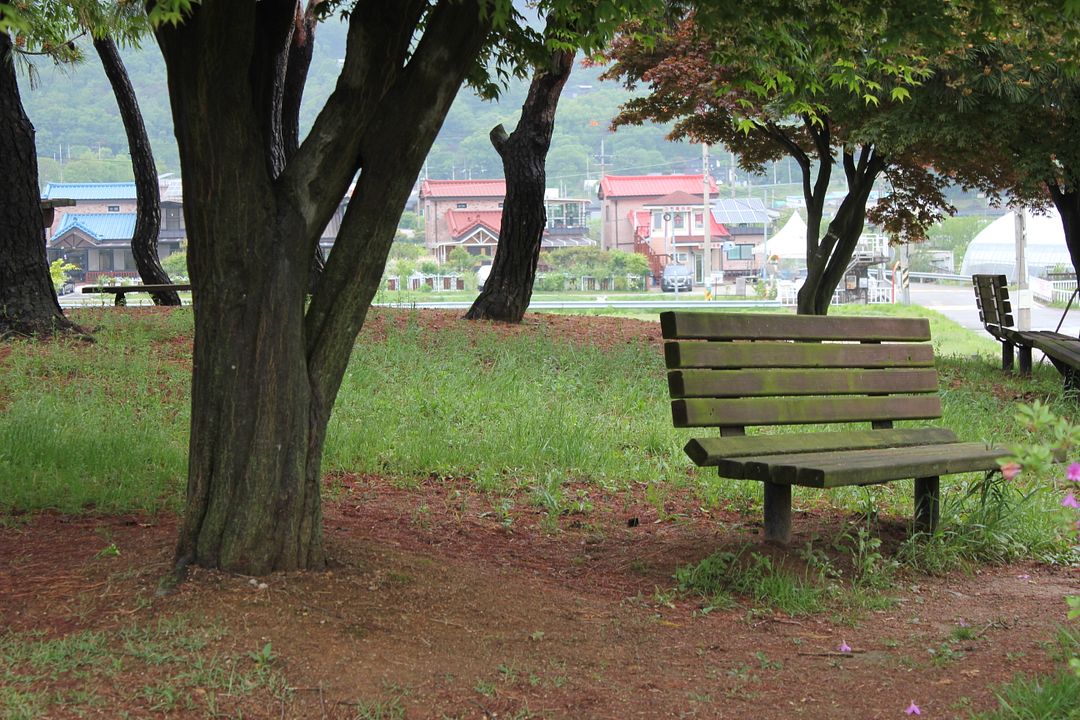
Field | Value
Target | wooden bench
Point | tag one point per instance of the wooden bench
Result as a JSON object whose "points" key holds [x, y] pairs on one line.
{"points": [[995, 313], [733, 371], [120, 291]]}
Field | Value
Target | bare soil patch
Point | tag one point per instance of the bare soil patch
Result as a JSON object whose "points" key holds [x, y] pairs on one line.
{"points": [[441, 603]]}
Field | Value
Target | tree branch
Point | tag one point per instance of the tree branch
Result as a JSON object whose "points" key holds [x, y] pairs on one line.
{"points": [[378, 43], [499, 138], [407, 118]]}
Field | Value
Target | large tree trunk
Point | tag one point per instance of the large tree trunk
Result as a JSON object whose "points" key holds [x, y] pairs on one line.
{"points": [[1067, 202], [144, 241], [507, 291], [827, 262], [266, 373], [28, 304]]}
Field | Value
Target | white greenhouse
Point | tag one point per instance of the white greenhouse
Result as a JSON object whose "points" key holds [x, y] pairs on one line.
{"points": [[993, 251]]}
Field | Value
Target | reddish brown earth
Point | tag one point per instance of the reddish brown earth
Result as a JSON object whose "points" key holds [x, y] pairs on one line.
{"points": [[436, 606]]}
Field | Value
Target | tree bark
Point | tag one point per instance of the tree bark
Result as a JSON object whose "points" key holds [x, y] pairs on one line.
{"points": [[28, 303], [301, 50], [144, 241], [508, 289], [827, 260], [267, 371], [1067, 201]]}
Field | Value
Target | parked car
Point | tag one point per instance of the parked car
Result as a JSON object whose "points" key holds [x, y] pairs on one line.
{"points": [[676, 277]]}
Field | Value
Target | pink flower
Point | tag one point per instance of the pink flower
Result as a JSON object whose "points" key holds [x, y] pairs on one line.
{"points": [[844, 647], [1009, 471], [913, 709], [1074, 472], [1070, 501]]}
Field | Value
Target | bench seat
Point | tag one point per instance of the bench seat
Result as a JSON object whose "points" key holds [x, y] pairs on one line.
{"points": [[861, 467]]}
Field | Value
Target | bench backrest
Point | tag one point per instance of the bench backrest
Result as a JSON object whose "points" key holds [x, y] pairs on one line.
{"points": [[992, 297], [731, 370]]}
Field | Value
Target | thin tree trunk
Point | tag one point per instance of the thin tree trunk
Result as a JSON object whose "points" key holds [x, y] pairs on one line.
{"points": [[1067, 202], [144, 241], [28, 303], [508, 289]]}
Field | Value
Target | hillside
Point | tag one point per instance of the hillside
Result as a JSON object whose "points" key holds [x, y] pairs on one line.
{"points": [[74, 113]]}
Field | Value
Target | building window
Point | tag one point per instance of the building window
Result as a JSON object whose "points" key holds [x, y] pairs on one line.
{"points": [[680, 220], [699, 220], [174, 219], [657, 220], [740, 252], [114, 208], [462, 206]]}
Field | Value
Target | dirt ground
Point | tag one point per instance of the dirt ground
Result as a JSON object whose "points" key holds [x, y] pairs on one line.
{"points": [[440, 604]]}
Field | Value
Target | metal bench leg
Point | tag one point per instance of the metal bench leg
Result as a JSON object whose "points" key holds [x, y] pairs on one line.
{"points": [[120, 300], [1007, 353], [1025, 359], [777, 513], [927, 503]]}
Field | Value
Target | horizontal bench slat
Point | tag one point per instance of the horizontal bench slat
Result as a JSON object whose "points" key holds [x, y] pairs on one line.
{"points": [[707, 412], [721, 355], [815, 381], [866, 467], [737, 326], [707, 452]]}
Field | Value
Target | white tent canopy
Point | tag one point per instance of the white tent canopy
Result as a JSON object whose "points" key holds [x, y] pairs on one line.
{"points": [[789, 242], [993, 251]]}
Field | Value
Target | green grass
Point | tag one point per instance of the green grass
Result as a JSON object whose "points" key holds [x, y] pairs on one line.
{"points": [[104, 426], [1049, 697], [76, 668], [723, 575]]}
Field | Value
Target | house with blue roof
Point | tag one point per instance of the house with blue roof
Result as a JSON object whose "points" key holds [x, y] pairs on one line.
{"points": [[119, 197], [99, 244], [95, 233]]}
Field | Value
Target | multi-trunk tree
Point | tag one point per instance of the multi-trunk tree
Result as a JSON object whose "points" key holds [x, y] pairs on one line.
{"points": [[806, 91], [1007, 109], [269, 355]]}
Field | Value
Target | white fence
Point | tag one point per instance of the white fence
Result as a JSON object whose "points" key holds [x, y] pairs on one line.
{"points": [[1052, 290]]}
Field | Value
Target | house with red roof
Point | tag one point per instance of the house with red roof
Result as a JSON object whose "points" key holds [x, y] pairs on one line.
{"points": [[468, 214], [633, 209]]}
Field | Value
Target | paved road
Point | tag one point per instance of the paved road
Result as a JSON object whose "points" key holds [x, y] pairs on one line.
{"points": [[958, 304]]}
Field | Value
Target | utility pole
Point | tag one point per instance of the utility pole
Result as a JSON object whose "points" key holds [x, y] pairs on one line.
{"points": [[707, 267], [603, 218], [1023, 295], [731, 175]]}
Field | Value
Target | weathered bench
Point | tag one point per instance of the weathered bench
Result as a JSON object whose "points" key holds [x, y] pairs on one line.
{"points": [[733, 371], [995, 313], [120, 291]]}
